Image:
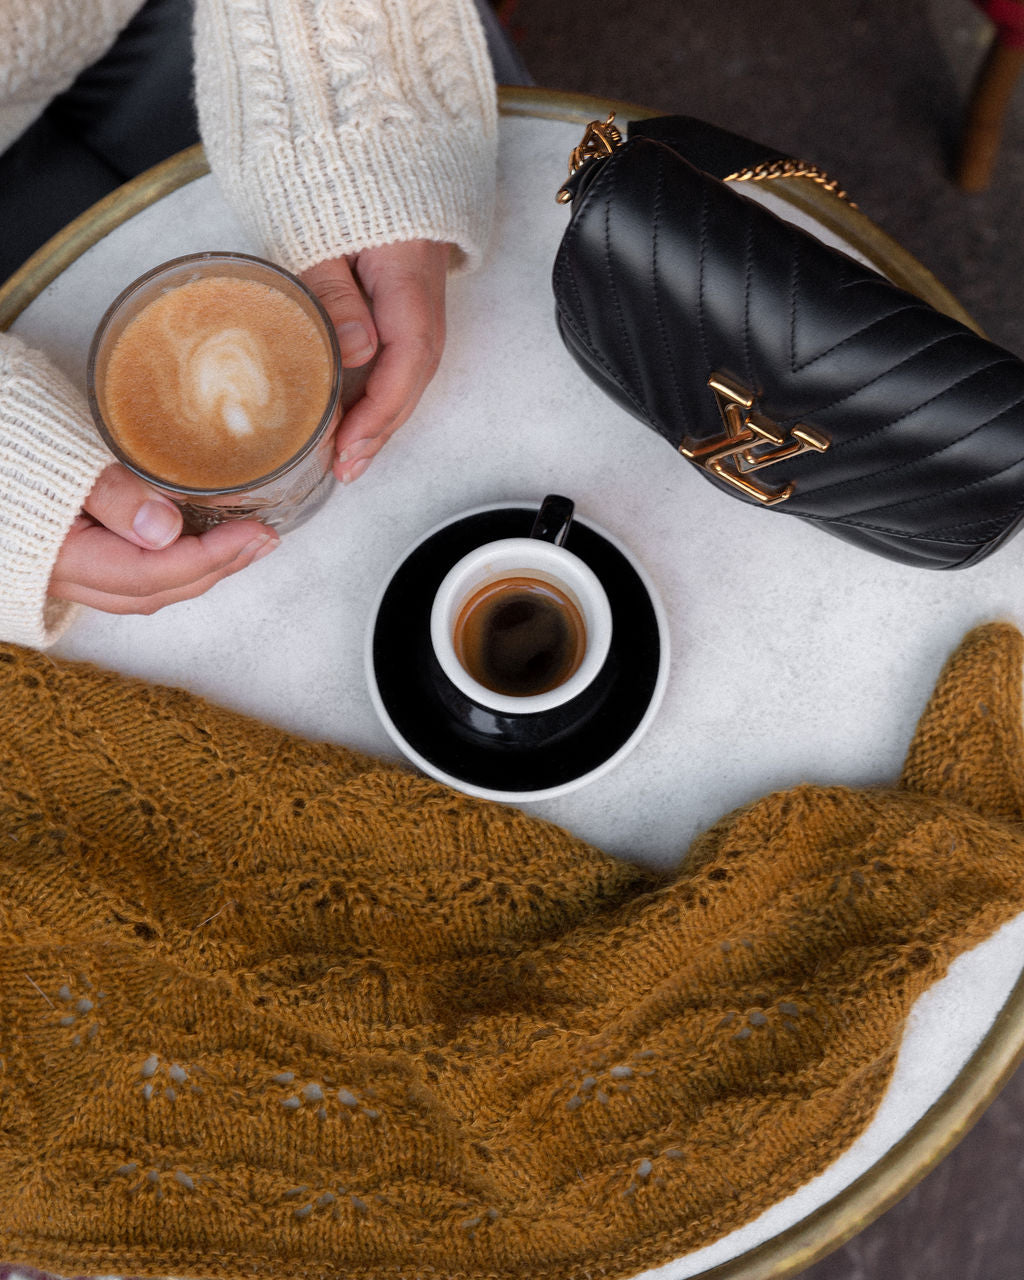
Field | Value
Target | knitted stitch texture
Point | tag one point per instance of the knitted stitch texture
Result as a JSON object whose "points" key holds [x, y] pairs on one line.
{"points": [[50, 457], [269, 1007], [44, 45], [330, 125], [337, 125]]}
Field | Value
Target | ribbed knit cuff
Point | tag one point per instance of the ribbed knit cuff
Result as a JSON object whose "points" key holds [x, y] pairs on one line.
{"points": [[50, 457], [333, 128], [324, 197]]}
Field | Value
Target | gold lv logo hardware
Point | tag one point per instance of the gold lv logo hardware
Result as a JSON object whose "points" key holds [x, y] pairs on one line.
{"points": [[751, 441]]}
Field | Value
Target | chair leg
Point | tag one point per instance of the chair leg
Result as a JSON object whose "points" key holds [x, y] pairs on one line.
{"points": [[986, 112]]}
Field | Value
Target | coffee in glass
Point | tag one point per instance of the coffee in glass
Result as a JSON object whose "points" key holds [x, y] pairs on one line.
{"points": [[217, 378]]}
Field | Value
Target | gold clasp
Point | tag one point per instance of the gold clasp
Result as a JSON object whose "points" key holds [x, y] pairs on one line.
{"points": [[751, 441], [600, 139]]}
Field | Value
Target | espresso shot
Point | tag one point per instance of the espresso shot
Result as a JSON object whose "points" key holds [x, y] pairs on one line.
{"points": [[217, 379], [521, 626], [520, 636]]}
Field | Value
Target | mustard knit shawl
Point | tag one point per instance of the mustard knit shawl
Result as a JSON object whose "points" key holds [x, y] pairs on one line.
{"points": [[271, 1008]]}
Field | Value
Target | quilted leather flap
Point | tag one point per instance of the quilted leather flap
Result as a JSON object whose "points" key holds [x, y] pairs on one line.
{"points": [[667, 276]]}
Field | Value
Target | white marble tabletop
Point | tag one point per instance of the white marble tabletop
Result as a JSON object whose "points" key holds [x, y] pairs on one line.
{"points": [[795, 658]]}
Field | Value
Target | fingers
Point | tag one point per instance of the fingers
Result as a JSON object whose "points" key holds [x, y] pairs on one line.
{"points": [[343, 300], [406, 283], [130, 508], [125, 552], [98, 567], [391, 394]]}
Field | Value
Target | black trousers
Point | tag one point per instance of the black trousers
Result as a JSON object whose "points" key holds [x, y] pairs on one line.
{"points": [[127, 112]]}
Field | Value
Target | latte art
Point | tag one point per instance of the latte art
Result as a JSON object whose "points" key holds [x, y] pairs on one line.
{"points": [[226, 379], [216, 382]]}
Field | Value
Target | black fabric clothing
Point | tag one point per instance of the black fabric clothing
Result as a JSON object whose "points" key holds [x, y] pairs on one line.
{"points": [[124, 114]]}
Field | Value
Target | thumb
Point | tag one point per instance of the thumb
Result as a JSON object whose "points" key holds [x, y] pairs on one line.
{"points": [[344, 301], [129, 507]]}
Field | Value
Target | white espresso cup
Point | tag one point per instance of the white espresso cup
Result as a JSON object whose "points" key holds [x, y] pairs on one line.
{"points": [[523, 625]]}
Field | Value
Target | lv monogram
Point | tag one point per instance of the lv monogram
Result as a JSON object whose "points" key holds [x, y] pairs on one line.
{"points": [[750, 441]]}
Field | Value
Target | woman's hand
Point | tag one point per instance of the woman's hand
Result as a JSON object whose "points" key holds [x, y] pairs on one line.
{"points": [[404, 284], [126, 552]]}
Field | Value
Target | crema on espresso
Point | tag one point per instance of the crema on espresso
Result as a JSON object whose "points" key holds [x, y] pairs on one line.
{"points": [[216, 382]]}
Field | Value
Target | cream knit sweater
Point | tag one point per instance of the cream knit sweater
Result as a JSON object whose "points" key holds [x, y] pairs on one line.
{"points": [[330, 125]]}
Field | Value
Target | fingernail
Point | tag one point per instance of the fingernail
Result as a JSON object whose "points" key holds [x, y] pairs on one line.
{"points": [[259, 547], [357, 446], [355, 344], [157, 523], [355, 470]]}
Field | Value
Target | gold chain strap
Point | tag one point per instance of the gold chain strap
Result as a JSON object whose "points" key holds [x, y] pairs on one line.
{"points": [[770, 169], [602, 137]]}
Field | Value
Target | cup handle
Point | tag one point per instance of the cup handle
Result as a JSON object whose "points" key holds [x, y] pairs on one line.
{"points": [[553, 519]]}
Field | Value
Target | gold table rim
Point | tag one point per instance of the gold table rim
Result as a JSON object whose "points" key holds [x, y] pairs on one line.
{"points": [[1002, 1048], [47, 263]]}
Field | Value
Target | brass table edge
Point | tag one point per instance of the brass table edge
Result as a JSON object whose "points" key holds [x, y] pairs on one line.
{"points": [[905, 1164], [547, 104], [47, 263], [560, 104], [884, 253], [1001, 1050]]}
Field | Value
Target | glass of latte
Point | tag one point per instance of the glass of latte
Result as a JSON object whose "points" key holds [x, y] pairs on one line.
{"points": [[217, 378]]}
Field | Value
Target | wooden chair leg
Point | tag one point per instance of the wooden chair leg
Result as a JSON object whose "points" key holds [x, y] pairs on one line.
{"points": [[986, 112]]}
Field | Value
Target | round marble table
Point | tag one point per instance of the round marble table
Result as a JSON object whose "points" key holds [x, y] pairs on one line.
{"points": [[795, 658]]}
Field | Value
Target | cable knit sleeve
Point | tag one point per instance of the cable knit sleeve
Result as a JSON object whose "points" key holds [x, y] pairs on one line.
{"points": [[50, 457], [338, 125]]}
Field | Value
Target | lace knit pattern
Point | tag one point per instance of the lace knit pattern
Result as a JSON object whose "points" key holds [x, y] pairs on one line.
{"points": [[269, 1007]]}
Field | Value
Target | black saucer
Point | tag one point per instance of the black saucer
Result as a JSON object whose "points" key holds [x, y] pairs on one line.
{"points": [[413, 698]]}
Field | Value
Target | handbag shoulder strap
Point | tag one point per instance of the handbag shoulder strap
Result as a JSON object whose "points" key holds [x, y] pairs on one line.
{"points": [[725, 155], [717, 151]]}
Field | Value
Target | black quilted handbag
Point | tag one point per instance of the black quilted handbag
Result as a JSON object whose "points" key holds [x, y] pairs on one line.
{"points": [[791, 375]]}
